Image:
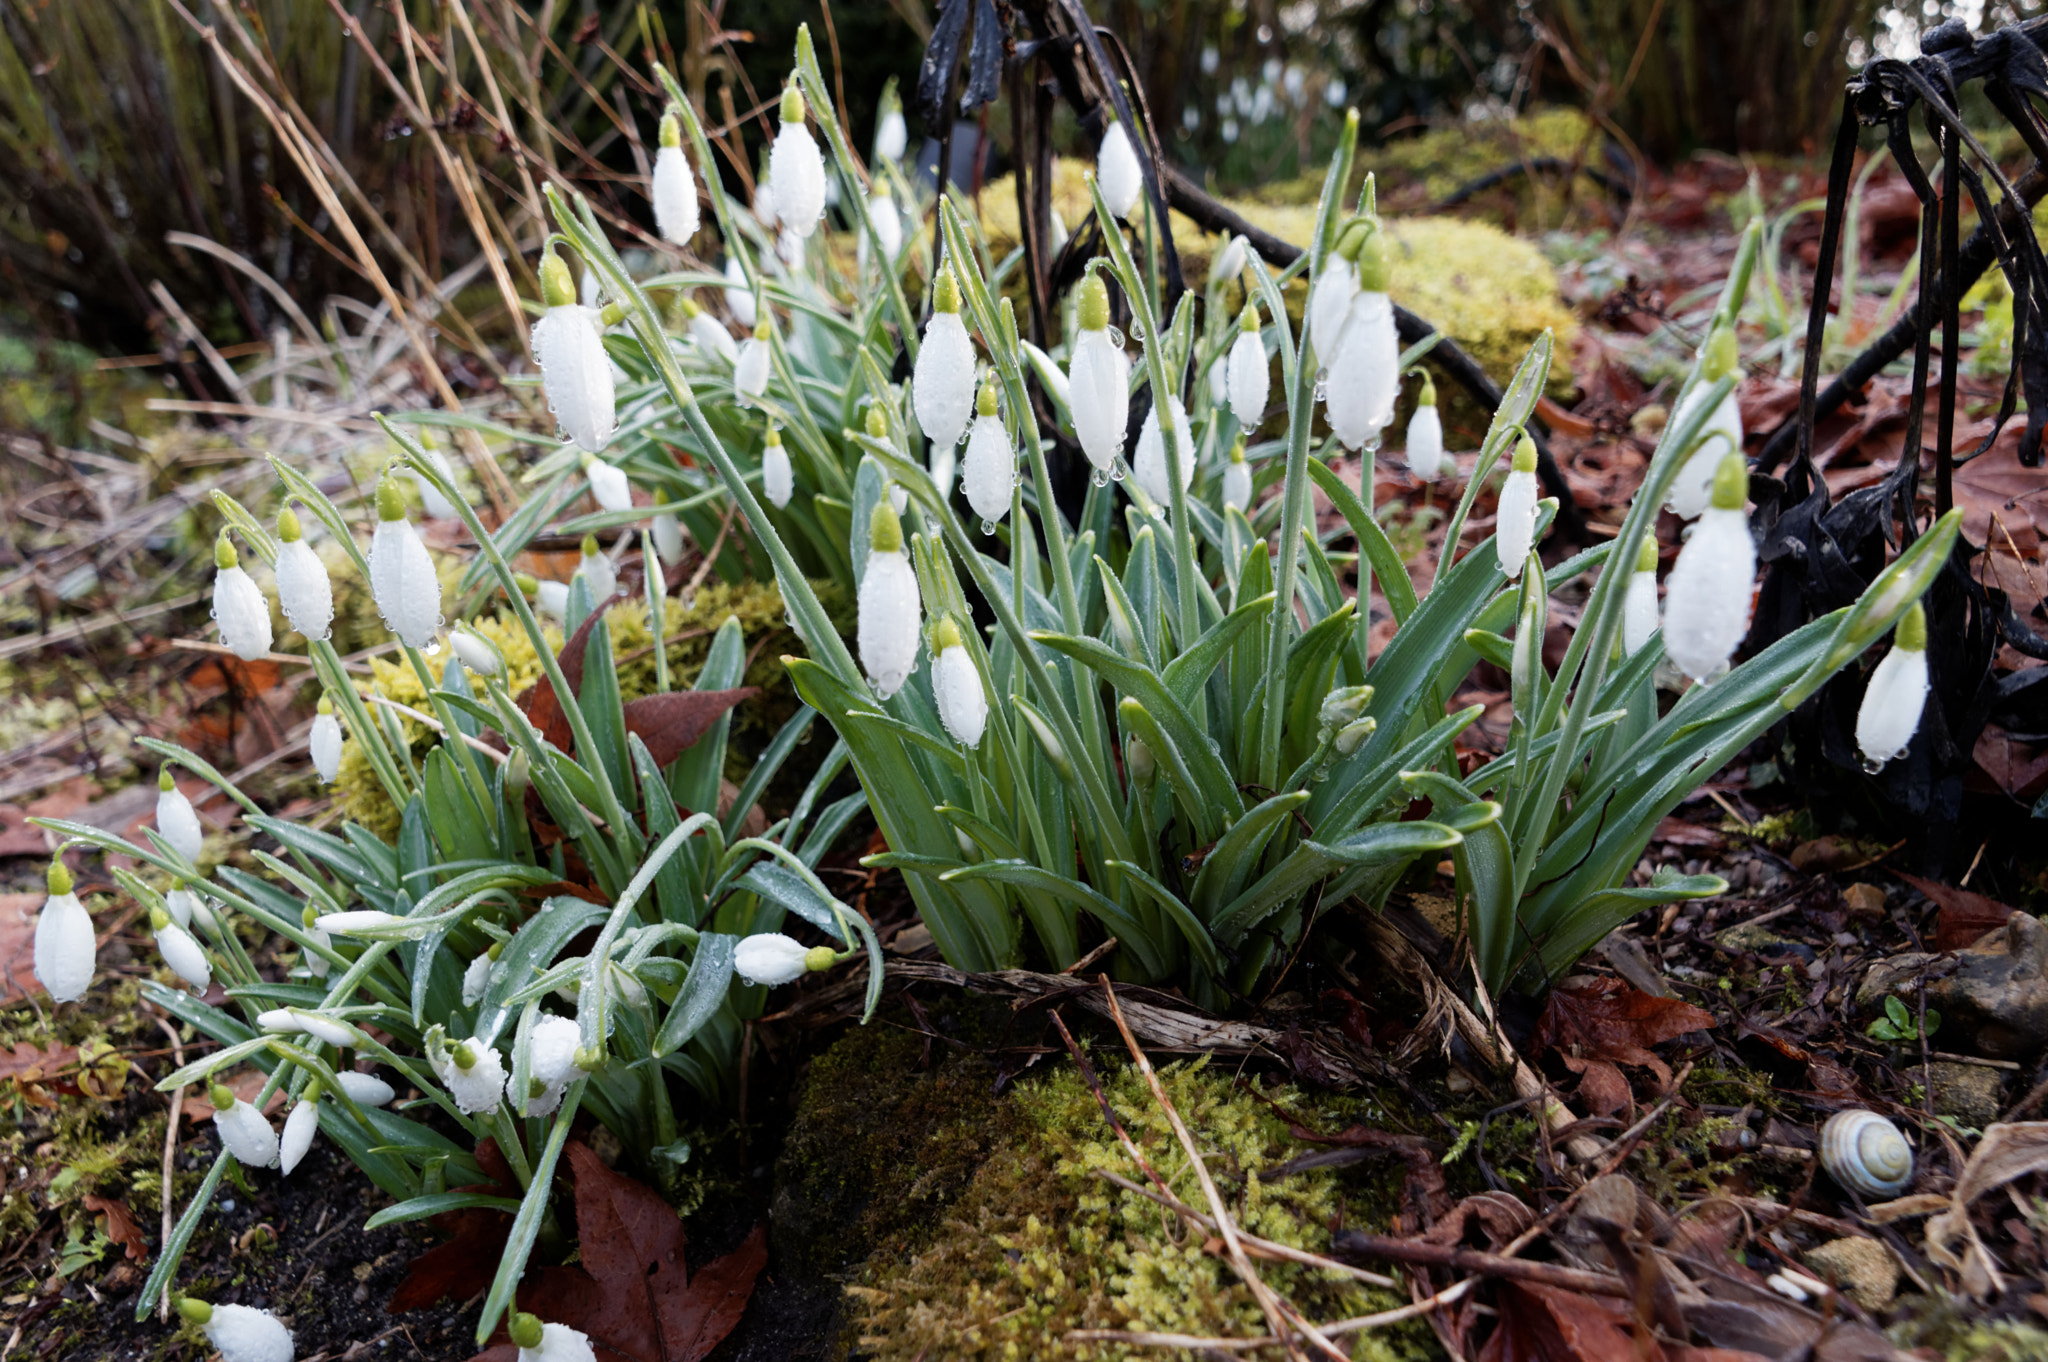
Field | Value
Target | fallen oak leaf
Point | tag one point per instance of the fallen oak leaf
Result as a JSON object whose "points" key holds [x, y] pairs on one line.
{"points": [[1961, 916], [670, 723], [121, 1226], [1607, 1023]]}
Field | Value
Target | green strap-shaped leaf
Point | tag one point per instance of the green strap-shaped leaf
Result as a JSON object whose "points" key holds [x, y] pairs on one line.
{"points": [[703, 991], [1126, 927], [1230, 863], [1191, 928]]}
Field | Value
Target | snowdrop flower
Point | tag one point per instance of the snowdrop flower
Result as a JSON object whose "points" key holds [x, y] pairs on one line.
{"points": [[1639, 605], [789, 246], [1426, 435], [476, 653], [778, 479], [709, 335], [764, 201], [185, 956], [1237, 478], [1098, 381], [1329, 302], [65, 949], [575, 372], [180, 903], [942, 385], [357, 920], [477, 977], [750, 370], [1151, 466], [888, 227], [1250, 381], [316, 963], [1116, 166], [1229, 262], [551, 599], [1514, 532], [674, 187], [1723, 431], [990, 470], [609, 487], [303, 588], [796, 168], [739, 296], [436, 506], [176, 820], [956, 686], [772, 959], [668, 530], [244, 1131], [1219, 381], [538, 1342], [286, 1020], [238, 605], [299, 1129], [1897, 693], [241, 1333], [598, 572], [889, 612], [892, 135], [551, 1064], [365, 1090], [472, 1073], [1365, 367], [402, 578], [1707, 600]]}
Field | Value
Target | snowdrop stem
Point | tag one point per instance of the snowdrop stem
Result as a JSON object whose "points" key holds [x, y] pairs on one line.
{"points": [[465, 756]]}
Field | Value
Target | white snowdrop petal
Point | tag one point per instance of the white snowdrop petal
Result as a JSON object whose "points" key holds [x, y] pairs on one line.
{"points": [[1099, 396], [956, 688], [750, 370], [245, 1334], [1237, 486], [478, 1089], [599, 574], [888, 224], [668, 539], [242, 613], [299, 1129], [1639, 610], [552, 599], [675, 196], [893, 137], [990, 469], [797, 170], [335, 1033], [559, 1343], [1117, 170], [1426, 443], [185, 956], [1515, 523], [1365, 371], [475, 979], [941, 464], [554, 1041], [355, 920], [1707, 599], [247, 1135], [304, 590], [65, 948], [1892, 705], [1151, 467], [771, 958], [365, 1090], [1328, 305], [778, 479], [432, 502], [764, 206], [179, 903], [890, 623], [178, 824], [402, 580], [1694, 485], [576, 374], [942, 384], [739, 299], [1250, 381], [317, 964], [609, 486], [712, 338], [1219, 381]]}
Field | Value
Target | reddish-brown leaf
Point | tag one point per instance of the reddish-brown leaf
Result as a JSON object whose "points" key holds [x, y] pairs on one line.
{"points": [[121, 1226], [671, 723], [18, 946], [464, 1265], [541, 704], [1963, 916], [18, 836], [1608, 1020]]}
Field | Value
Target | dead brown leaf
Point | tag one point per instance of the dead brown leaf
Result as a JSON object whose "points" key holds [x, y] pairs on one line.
{"points": [[121, 1226], [1962, 915], [18, 836], [464, 1266], [18, 947], [1607, 1023]]}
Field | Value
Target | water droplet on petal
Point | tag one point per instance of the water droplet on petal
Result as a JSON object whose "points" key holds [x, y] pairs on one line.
{"points": [[1017, 478], [1870, 767], [1322, 388], [1101, 479], [988, 527], [1116, 337]]}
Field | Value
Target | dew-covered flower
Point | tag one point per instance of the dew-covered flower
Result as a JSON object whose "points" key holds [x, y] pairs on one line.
{"points": [[1365, 367], [990, 470], [1707, 600], [538, 1342], [1250, 379], [1329, 302], [1229, 262], [551, 599], [1098, 380], [1117, 168], [238, 605], [1722, 432], [888, 220], [476, 653], [892, 135], [890, 617], [65, 947], [956, 686], [241, 1333], [674, 186], [180, 950], [365, 1090], [1639, 605], [402, 579], [778, 479], [1237, 478], [1897, 693], [551, 1064], [668, 530], [599, 575], [1514, 526], [773, 959], [739, 294], [177, 822], [1150, 468], [477, 977], [244, 1131], [750, 370], [709, 334], [796, 168], [575, 371], [287, 1020], [356, 920], [299, 1129], [942, 384], [609, 486], [303, 588], [1426, 435], [471, 1071]]}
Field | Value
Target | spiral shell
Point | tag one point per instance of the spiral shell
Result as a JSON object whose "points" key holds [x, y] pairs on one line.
{"points": [[1864, 1153]]}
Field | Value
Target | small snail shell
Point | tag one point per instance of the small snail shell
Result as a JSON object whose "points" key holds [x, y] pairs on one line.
{"points": [[1864, 1153]]}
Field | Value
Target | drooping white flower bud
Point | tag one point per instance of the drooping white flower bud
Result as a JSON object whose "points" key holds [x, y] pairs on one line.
{"points": [[942, 384], [365, 1090], [299, 1129], [477, 977], [180, 903], [303, 588], [750, 370], [778, 478], [244, 1131], [1690, 491], [1897, 693], [238, 605], [1707, 599], [1098, 380], [476, 653], [551, 1063], [305, 1021], [990, 470], [402, 579], [739, 295], [609, 486], [1151, 469], [599, 575], [709, 335], [1639, 605], [796, 168], [551, 599], [669, 536], [1229, 262], [888, 222], [65, 947], [956, 686], [1116, 166], [773, 959], [356, 920], [538, 1342], [890, 615], [764, 202], [1426, 435], [674, 186], [1219, 381], [1237, 478], [472, 1073], [436, 506], [176, 820], [1365, 369], [1329, 302], [185, 956], [892, 135], [575, 371], [241, 1333], [1514, 526], [1250, 380]]}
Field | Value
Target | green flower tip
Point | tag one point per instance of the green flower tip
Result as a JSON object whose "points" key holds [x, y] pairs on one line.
{"points": [[219, 1095], [525, 1330], [761, 330], [1351, 120], [59, 879], [661, 497], [311, 1092], [1094, 304], [1237, 450], [464, 1057], [1374, 269], [688, 305], [588, 546], [194, 1309], [164, 780], [159, 919], [1912, 630], [946, 293], [611, 315], [288, 525], [1721, 354], [773, 438], [557, 289], [1525, 455], [885, 531], [792, 103], [945, 634], [1731, 482], [527, 583], [390, 501], [985, 405], [1248, 320], [820, 958], [1646, 556], [497, 949], [309, 916], [671, 129], [326, 706], [224, 552], [878, 422], [589, 1058], [1427, 397]]}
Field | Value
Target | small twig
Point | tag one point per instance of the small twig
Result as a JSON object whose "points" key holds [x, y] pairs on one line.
{"points": [[163, 1305], [1388, 1249], [1094, 1083], [435, 725], [1104, 949], [1258, 1247]]}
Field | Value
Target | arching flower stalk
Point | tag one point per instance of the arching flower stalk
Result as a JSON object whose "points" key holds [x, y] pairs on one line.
{"points": [[1237, 478], [956, 686], [1639, 606], [1250, 380], [303, 587], [942, 385], [575, 371], [1514, 527], [538, 1342], [1116, 166], [750, 370], [176, 820], [183, 953], [778, 479], [991, 467], [402, 579], [609, 486], [1896, 696], [772, 959], [1426, 435], [1365, 368], [241, 1333], [238, 605], [1707, 600], [1690, 490], [66, 950], [890, 616], [796, 167], [1152, 472], [244, 1132], [674, 186], [598, 573], [739, 295], [709, 335], [1098, 381]]}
